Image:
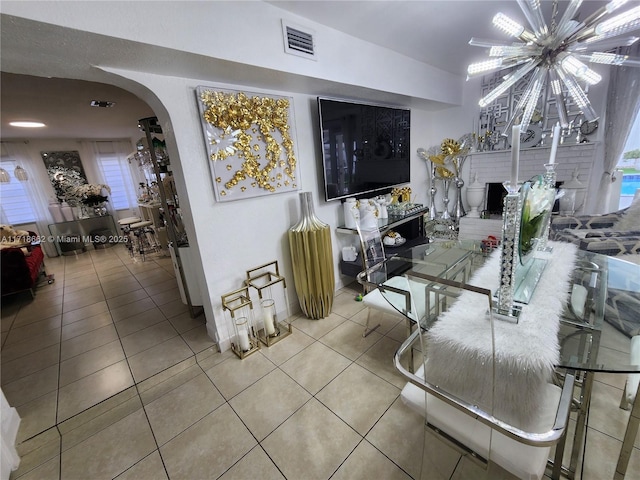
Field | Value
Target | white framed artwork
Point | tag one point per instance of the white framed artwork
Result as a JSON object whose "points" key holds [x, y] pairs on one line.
{"points": [[250, 141]]}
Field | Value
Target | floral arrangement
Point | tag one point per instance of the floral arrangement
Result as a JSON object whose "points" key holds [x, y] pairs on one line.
{"points": [[535, 213], [448, 158], [71, 187]]}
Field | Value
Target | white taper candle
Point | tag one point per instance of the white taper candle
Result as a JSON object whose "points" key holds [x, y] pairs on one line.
{"points": [[554, 144], [515, 155]]}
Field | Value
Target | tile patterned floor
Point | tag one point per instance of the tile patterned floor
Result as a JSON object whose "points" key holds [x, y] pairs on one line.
{"points": [[114, 379]]}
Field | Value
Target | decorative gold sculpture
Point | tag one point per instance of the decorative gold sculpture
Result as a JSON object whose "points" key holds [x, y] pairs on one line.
{"points": [[312, 260]]}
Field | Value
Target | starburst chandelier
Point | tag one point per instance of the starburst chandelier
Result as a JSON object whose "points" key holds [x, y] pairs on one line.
{"points": [[554, 55]]}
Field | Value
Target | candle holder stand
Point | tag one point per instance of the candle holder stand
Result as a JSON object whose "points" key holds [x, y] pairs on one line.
{"points": [[266, 280], [550, 182], [511, 215], [240, 308]]}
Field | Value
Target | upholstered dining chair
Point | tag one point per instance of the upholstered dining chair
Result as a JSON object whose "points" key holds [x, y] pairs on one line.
{"points": [[483, 422]]}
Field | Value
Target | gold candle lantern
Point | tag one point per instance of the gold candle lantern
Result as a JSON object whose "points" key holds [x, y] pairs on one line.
{"points": [[268, 282], [240, 308]]}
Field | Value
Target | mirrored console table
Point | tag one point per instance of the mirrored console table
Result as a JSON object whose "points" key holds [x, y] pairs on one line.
{"points": [[73, 237]]}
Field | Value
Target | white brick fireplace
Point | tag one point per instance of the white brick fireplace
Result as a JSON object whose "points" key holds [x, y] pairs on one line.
{"points": [[495, 166]]}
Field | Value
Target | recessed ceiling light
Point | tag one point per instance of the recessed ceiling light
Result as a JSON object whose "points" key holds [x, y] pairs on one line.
{"points": [[102, 103], [27, 124]]}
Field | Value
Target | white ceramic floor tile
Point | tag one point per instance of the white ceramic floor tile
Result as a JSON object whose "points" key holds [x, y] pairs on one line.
{"points": [[366, 462], [111, 451], [147, 338], [399, 434], [149, 468], [221, 441], [31, 363], [37, 415], [31, 386], [84, 312], [92, 389], [159, 357], [180, 408], [269, 402], [90, 362], [313, 432], [358, 397], [255, 464], [315, 366], [234, 375], [347, 339]]}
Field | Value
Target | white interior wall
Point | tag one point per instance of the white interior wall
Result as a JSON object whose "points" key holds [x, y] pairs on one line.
{"points": [[232, 237]]}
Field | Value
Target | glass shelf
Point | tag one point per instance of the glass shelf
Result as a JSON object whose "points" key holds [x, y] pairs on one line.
{"points": [[385, 224]]}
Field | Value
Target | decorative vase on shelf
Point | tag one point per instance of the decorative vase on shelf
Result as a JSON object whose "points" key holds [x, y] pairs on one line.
{"points": [[56, 212], [312, 261], [446, 182], [67, 212], [368, 214], [351, 212], [459, 211], [99, 210], [83, 211], [433, 212], [475, 196]]}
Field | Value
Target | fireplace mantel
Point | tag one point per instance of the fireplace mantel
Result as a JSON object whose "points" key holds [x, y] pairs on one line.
{"points": [[495, 166]]}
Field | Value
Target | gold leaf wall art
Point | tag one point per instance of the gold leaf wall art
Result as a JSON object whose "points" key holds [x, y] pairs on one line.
{"points": [[250, 140]]}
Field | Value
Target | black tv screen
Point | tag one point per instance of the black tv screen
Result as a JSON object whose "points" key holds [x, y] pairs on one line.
{"points": [[365, 147]]}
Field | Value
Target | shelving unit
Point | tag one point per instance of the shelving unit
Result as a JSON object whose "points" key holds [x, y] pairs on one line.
{"points": [[157, 172], [410, 227]]}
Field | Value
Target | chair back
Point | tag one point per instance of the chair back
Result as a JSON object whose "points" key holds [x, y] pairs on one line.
{"points": [[371, 247]]}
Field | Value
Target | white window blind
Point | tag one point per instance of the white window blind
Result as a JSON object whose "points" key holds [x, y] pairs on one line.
{"points": [[16, 205], [118, 176]]}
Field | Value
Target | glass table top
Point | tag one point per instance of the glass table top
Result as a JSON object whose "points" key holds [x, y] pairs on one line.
{"points": [[447, 259], [601, 315]]}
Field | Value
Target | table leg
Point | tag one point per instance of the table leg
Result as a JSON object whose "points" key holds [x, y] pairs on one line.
{"points": [[629, 438], [581, 422], [557, 459]]}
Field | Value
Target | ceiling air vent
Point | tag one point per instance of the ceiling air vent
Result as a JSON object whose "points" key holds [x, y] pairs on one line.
{"points": [[298, 41]]}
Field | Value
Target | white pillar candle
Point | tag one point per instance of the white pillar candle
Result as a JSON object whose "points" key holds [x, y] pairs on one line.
{"points": [[554, 144], [515, 155], [243, 340], [268, 322]]}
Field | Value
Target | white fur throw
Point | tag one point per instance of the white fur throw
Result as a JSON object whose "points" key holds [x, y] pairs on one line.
{"points": [[459, 344]]}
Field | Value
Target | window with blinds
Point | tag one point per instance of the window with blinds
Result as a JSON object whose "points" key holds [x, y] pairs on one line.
{"points": [[17, 207], [118, 176]]}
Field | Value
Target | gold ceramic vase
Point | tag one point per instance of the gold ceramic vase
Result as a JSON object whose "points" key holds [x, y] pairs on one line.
{"points": [[312, 260]]}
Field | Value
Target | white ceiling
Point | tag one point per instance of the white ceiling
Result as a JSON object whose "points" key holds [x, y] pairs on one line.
{"points": [[435, 32], [432, 31], [64, 106]]}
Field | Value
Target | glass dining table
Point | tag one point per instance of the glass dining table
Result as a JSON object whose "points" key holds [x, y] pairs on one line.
{"points": [[601, 315]]}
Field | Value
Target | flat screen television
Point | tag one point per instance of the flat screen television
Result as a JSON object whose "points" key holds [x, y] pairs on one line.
{"points": [[365, 147]]}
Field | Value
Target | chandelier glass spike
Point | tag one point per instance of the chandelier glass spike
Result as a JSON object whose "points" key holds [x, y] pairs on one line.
{"points": [[556, 55]]}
